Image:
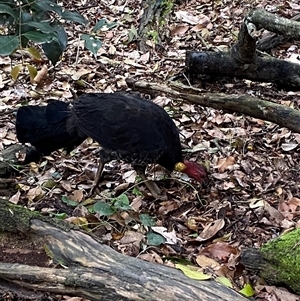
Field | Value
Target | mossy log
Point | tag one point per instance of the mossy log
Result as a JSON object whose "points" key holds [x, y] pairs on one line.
{"points": [[278, 261], [92, 270]]}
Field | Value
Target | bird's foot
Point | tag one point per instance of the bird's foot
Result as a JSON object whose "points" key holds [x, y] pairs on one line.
{"points": [[92, 191], [155, 190]]}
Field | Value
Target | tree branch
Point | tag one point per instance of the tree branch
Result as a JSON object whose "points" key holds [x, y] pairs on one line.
{"points": [[251, 106]]}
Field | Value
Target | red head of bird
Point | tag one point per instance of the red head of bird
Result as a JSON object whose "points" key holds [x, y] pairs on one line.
{"points": [[192, 169]]}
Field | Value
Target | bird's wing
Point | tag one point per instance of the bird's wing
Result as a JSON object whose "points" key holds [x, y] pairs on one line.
{"points": [[122, 125]]}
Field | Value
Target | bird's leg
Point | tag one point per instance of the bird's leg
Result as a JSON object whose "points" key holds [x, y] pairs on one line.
{"points": [[153, 188], [104, 158], [97, 177]]}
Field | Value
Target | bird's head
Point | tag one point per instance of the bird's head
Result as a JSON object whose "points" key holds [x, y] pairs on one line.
{"points": [[193, 170]]}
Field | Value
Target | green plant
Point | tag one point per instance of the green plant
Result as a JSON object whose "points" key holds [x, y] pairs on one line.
{"points": [[35, 21], [120, 203]]}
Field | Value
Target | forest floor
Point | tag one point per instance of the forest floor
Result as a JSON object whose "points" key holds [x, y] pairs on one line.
{"points": [[253, 192]]}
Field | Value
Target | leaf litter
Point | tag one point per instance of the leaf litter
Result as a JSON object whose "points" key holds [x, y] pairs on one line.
{"points": [[253, 192]]}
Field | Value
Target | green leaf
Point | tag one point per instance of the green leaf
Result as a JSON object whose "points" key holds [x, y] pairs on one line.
{"points": [[191, 272], [225, 281], [103, 23], [147, 220], [25, 18], [5, 9], [50, 183], [60, 215], [32, 72], [42, 26], [8, 44], [136, 191], [39, 37], [54, 49], [6, 20], [155, 239], [15, 71], [99, 24], [132, 34], [34, 53], [11, 2], [111, 25], [103, 209], [47, 6], [68, 201], [91, 43], [122, 202], [74, 16], [247, 290]]}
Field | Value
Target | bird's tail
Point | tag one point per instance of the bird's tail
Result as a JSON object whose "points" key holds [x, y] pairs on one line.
{"points": [[47, 127]]}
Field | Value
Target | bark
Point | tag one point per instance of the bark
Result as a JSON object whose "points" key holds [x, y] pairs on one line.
{"points": [[251, 106], [95, 271], [278, 261], [283, 73], [153, 21], [263, 19], [242, 60], [272, 40]]}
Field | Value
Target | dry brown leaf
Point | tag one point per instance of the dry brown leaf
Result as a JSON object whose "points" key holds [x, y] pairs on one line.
{"points": [[77, 195], [41, 76], [192, 224], [151, 257], [211, 230], [274, 213], [15, 198], [132, 237], [220, 251], [34, 167], [187, 17], [66, 185], [167, 206], [129, 176], [35, 193], [224, 163], [179, 30], [207, 262]]}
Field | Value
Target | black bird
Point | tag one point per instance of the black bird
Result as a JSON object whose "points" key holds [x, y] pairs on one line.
{"points": [[127, 128]]}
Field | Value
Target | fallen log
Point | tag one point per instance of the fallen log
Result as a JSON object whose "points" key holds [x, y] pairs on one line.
{"points": [[93, 270], [242, 60], [278, 261], [244, 104]]}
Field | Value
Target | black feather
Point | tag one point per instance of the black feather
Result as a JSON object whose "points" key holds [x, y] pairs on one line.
{"points": [[128, 128], [45, 127]]}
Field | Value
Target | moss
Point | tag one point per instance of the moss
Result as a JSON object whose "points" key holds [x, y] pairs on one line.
{"points": [[167, 7], [154, 35], [283, 257]]}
